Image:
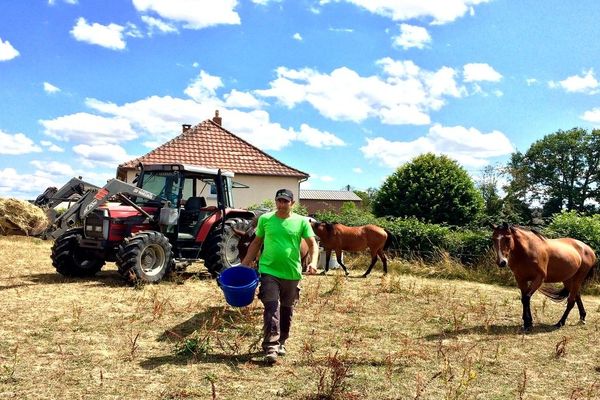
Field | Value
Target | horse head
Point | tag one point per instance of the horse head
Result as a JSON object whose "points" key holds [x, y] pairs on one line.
{"points": [[323, 230], [504, 242]]}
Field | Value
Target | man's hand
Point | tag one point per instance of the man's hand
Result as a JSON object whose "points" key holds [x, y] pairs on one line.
{"points": [[311, 269]]}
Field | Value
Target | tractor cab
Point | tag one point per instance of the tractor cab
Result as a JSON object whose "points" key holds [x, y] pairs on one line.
{"points": [[191, 195]]}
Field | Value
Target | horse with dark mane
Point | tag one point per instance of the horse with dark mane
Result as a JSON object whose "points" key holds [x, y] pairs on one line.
{"points": [[337, 237], [535, 259]]}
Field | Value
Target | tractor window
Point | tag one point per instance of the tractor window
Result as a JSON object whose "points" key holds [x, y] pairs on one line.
{"points": [[164, 185]]}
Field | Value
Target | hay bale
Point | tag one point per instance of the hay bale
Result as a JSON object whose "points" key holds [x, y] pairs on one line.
{"points": [[19, 217]]}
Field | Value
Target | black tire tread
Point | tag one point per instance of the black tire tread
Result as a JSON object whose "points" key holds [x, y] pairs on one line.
{"points": [[68, 263], [130, 249]]}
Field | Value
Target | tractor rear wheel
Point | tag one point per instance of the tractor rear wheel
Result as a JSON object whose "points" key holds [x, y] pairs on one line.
{"points": [[220, 250], [71, 260], [145, 256]]}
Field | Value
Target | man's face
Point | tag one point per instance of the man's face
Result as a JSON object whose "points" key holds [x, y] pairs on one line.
{"points": [[284, 205]]}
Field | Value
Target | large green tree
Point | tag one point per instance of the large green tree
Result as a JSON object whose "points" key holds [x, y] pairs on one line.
{"points": [[432, 188], [559, 171]]}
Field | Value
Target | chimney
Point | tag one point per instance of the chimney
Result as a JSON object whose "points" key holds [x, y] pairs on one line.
{"points": [[216, 119], [185, 127]]}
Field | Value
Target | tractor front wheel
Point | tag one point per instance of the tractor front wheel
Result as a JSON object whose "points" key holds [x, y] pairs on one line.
{"points": [[71, 260], [146, 256]]}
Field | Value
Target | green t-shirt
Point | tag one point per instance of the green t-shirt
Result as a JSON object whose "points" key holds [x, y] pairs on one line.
{"points": [[281, 237]]}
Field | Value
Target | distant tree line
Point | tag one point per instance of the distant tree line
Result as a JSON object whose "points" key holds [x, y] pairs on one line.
{"points": [[558, 173]]}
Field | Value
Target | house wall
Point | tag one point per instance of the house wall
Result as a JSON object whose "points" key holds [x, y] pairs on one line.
{"points": [[262, 188], [321, 205]]}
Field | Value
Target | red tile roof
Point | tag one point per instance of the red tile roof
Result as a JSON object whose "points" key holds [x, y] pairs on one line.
{"points": [[210, 145]]}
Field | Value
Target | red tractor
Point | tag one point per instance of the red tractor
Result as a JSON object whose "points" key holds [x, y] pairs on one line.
{"points": [[158, 225]]}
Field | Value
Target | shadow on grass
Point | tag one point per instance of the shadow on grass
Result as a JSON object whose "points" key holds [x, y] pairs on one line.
{"points": [[15, 286], [492, 330], [203, 319], [104, 278], [227, 359]]}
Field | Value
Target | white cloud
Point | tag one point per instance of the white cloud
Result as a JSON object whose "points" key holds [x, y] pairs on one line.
{"points": [[53, 167], [468, 146], [11, 184], [402, 94], [592, 116], [47, 174], [578, 84], [237, 99], [89, 128], [477, 72], [108, 36], [51, 146], [341, 30], [17, 143], [531, 81], [440, 11], [7, 51], [265, 2], [156, 24], [256, 128], [52, 2], [204, 87], [50, 88], [297, 37], [157, 118], [412, 36], [357, 170], [193, 14], [316, 138], [107, 155]]}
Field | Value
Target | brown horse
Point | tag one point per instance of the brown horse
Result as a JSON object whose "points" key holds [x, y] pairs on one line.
{"points": [[535, 259], [338, 238]]}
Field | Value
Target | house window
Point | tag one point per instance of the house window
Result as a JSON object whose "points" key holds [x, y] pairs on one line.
{"points": [[213, 191]]}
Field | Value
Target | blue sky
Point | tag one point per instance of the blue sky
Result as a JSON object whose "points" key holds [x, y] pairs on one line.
{"points": [[345, 90]]}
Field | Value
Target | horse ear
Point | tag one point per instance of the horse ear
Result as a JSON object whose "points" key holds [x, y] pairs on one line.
{"points": [[505, 225], [494, 227]]}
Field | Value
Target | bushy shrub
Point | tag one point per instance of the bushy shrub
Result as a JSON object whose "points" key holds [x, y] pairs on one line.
{"points": [[572, 224], [431, 188]]}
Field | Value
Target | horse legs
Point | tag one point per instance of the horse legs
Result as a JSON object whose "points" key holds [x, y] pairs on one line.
{"points": [[526, 293], [327, 258], [368, 271], [527, 319], [338, 255], [574, 297], [563, 319], [582, 312], [383, 257]]}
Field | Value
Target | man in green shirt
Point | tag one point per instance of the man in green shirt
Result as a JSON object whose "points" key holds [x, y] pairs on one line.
{"points": [[281, 232]]}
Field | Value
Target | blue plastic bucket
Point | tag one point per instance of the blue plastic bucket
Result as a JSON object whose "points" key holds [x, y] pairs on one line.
{"points": [[238, 285]]}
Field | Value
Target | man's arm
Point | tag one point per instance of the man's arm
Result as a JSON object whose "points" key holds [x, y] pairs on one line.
{"points": [[253, 250], [313, 250]]}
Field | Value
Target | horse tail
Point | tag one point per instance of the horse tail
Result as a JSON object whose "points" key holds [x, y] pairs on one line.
{"points": [[554, 293], [389, 239]]}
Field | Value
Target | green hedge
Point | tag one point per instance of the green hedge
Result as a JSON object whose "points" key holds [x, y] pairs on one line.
{"points": [[416, 239], [571, 224]]}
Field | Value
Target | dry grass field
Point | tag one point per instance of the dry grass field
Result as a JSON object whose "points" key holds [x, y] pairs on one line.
{"points": [[396, 337]]}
